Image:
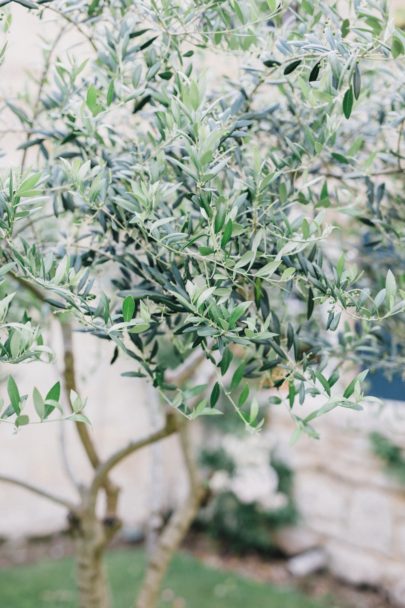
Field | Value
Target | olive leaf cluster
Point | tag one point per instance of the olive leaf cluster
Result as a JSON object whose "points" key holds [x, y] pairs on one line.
{"points": [[217, 208]]}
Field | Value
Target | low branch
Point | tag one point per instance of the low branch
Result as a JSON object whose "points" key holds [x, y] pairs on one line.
{"points": [[39, 491], [172, 426], [70, 384]]}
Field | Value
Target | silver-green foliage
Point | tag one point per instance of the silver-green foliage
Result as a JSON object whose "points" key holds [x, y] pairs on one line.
{"points": [[217, 208]]}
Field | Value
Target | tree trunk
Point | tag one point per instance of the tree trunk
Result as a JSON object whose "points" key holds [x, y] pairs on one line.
{"points": [[169, 542], [155, 520], [91, 576], [174, 532]]}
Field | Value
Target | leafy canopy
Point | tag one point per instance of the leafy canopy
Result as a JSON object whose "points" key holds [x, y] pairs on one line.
{"points": [[199, 175]]}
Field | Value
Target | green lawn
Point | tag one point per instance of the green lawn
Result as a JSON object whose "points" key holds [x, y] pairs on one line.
{"points": [[189, 584]]}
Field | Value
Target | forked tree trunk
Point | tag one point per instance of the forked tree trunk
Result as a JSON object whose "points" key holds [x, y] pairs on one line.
{"points": [[91, 576]]}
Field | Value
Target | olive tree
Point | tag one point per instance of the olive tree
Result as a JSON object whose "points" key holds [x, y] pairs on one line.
{"points": [[218, 164]]}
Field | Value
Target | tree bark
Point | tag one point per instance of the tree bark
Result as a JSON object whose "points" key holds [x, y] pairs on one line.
{"points": [[174, 532], [91, 576], [155, 520], [169, 542]]}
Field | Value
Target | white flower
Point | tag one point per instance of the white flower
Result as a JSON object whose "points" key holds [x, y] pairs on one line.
{"points": [[274, 501], [254, 484], [220, 482]]}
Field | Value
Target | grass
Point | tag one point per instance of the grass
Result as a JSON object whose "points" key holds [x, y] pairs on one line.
{"points": [[190, 584]]}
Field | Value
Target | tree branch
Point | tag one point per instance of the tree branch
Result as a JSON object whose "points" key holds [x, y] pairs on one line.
{"points": [[73, 23], [39, 491], [343, 176], [69, 377], [64, 457], [70, 384], [172, 426], [33, 289], [69, 374], [42, 81]]}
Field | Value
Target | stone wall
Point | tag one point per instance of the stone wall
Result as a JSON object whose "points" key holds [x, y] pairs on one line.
{"points": [[349, 504]]}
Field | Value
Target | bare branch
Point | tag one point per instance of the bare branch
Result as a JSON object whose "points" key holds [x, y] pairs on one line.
{"points": [[70, 384], [172, 426], [42, 81], [39, 491], [74, 24], [343, 176]]}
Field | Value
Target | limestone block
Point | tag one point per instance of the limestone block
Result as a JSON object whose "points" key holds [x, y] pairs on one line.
{"points": [[319, 495], [354, 565], [370, 521], [396, 589], [327, 528], [307, 563], [400, 542], [397, 500], [296, 539], [361, 469]]}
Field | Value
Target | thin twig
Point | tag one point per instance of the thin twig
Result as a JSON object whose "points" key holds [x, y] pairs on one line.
{"points": [[42, 81], [73, 23], [39, 491], [399, 160]]}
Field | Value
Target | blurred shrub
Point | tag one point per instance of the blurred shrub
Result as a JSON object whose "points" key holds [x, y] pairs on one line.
{"points": [[390, 453], [251, 494]]}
